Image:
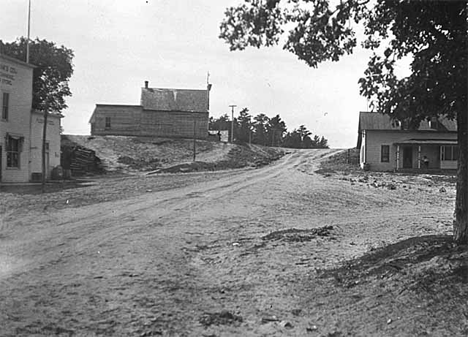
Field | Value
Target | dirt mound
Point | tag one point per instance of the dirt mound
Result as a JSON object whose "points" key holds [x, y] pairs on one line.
{"points": [[148, 154], [299, 235], [393, 259], [220, 318], [238, 156], [345, 161]]}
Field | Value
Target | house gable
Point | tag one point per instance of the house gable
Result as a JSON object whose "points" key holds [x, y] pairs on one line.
{"points": [[379, 121]]}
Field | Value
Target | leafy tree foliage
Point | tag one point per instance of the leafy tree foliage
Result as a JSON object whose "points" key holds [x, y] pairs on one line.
{"points": [[243, 127], [267, 131], [293, 140], [260, 124], [50, 78], [301, 139], [320, 142], [303, 132], [276, 129], [433, 33], [221, 123]]}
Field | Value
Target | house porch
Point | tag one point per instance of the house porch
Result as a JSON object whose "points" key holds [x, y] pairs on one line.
{"points": [[428, 155]]}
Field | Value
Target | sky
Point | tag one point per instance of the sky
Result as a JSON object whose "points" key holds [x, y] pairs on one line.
{"points": [[119, 44]]}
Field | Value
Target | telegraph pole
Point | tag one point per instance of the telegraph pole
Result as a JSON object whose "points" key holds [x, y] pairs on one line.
{"points": [[29, 31], [232, 106]]}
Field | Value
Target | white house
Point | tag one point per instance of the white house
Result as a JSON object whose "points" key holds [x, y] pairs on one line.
{"points": [[387, 146], [21, 128]]}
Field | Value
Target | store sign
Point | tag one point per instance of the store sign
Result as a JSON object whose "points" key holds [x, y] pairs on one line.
{"points": [[41, 121], [7, 74]]}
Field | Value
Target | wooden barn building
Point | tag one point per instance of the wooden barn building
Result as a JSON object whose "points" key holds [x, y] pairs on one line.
{"points": [[172, 113]]}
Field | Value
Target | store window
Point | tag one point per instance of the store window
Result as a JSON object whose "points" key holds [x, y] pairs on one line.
{"points": [[5, 105], [13, 151]]}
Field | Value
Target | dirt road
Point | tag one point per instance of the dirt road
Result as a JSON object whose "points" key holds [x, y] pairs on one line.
{"points": [[197, 260]]}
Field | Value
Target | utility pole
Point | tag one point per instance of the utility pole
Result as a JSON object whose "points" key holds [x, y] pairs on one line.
{"points": [[232, 106], [44, 148], [29, 31]]}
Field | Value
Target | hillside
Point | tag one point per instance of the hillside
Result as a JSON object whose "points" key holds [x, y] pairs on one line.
{"points": [[145, 154]]}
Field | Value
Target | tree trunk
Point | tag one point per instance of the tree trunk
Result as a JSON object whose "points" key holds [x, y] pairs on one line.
{"points": [[460, 225], [44, 142]]}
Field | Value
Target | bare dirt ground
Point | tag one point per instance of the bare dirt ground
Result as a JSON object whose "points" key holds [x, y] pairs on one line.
{"points": [[289, 249], [133, 155]]}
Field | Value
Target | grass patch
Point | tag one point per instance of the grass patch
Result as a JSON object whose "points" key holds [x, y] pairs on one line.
{"points": [[346, 161]]}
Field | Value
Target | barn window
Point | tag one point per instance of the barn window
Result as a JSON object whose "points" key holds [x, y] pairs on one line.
{"points": [[449, 153], [385, 153], [108, 122], [13, 151], [5, 105]]}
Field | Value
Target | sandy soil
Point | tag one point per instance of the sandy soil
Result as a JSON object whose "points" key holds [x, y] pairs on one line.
{"points": [[275, 251], [134, 154]]}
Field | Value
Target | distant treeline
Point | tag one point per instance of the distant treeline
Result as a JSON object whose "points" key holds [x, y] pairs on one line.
{"points": [[267, 131]]}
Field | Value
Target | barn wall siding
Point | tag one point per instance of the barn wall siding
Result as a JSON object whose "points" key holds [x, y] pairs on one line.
{"points": [[125, 120], [134, 121], [175, 124]]}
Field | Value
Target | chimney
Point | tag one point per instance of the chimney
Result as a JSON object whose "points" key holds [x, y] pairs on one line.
{"points": [[146, 84]]}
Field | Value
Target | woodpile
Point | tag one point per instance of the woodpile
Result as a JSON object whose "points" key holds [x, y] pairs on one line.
{"points": [[81, 161]]}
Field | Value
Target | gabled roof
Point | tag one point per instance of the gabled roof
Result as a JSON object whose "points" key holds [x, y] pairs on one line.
{"points": [[15, 60], [99, 106], [378, 121], [186, 100]]}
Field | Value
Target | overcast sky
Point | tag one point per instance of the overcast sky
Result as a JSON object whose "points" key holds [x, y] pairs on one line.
{"points": [[173, 44]]}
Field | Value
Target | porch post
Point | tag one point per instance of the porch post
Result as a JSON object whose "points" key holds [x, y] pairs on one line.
{"points": [[397, 157], [419, 156]]}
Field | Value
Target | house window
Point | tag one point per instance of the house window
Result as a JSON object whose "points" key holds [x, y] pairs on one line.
{"points": [[404, 125], [13, 151], [5, 105], [385, 153], [108, 122], [434, 123], [449, 153]]}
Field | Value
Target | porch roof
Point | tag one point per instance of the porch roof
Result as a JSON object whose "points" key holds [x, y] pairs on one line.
{"points": [[427, 142]]}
